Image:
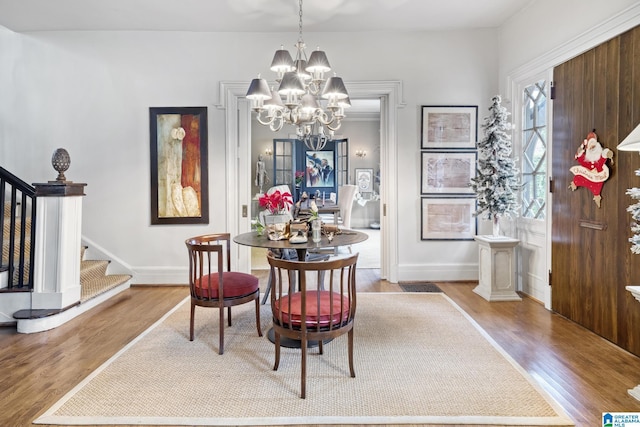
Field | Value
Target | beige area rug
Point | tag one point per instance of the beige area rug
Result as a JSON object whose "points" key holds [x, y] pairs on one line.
{"points": [[419, 359]]}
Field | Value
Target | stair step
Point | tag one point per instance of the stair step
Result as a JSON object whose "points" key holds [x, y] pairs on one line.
{"points": [[92, 269], [102, 284]]}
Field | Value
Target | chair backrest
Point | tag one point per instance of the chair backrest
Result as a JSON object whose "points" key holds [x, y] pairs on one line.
{"points": [[346, 194], [209, 258], [319, 297]]}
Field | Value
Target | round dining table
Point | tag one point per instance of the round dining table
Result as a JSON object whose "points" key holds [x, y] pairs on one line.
{"points": [[343, 238]]}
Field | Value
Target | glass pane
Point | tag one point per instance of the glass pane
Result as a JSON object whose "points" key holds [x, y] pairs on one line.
{"points": [[534, 150]]}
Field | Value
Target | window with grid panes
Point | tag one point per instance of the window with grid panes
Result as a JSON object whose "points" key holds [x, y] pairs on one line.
{"points": [[534, 150]]}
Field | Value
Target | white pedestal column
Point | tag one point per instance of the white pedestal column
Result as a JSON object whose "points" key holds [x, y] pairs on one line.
{"points": [[497, 264], [58, 239]]}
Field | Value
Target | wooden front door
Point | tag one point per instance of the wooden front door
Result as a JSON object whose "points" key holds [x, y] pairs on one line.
{"points": [[591, 258]]}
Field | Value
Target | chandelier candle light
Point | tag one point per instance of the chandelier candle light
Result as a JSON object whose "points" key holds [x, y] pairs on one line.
{"points": [[301, 92]]}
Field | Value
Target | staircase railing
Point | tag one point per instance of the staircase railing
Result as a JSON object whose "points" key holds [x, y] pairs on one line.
{"points": [[17, 234]]}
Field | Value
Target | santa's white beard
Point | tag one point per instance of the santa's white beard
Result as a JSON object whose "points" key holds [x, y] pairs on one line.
{"points": [[593, 154]]}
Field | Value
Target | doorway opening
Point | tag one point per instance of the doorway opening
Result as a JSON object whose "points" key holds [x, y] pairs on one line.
{"points": [[239, 162]]}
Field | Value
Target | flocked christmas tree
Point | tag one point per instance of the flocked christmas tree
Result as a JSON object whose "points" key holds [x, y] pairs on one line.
{"points": [[635, 214], [496, 183]]}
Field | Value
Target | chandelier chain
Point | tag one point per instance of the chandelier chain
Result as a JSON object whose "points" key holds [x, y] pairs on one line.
{"points": [[300, 20]]}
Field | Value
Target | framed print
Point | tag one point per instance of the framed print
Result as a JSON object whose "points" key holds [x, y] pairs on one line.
{"points": [[447, 172], [320, 169], [448, 218], [449, 126], [364, 180], [178, 142]]}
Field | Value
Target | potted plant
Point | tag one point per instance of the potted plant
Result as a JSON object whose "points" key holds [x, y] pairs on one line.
{"points": [[278, 204], [496, 183]]}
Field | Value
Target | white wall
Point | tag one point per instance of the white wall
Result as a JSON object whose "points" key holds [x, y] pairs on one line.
{"points": [[89, 92]]}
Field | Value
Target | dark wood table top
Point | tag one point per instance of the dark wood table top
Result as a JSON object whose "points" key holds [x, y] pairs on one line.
{"points": [[345, 238]]}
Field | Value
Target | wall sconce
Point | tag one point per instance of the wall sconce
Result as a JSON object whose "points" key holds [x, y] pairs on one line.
{"points": [[361, 153], [268, 152]]}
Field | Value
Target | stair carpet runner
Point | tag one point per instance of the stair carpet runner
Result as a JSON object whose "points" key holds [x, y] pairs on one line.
{"points": [[94, 279]]}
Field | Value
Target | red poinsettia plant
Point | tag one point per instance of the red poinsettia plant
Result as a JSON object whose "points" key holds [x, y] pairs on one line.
{"points": [[276, 202]]}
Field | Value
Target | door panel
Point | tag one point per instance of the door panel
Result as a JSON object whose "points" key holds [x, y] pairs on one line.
{"points": [[591, 258]]}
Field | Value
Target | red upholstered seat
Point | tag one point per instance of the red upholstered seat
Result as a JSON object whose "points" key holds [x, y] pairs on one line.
{"points": [[293, 314], [236, 284]]}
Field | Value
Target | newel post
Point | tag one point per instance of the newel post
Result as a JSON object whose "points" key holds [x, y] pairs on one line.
{"points": [[58, 239]]}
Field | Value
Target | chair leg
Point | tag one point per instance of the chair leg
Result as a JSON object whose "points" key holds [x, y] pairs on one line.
{"points": [[276, 363], [221, 327], [350, 335], [229, 315], [193, 312], [303, 374], [258, 316], [266, 292]]}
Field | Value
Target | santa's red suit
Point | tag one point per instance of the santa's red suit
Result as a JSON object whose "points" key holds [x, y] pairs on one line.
{"points": [[592, 171]]}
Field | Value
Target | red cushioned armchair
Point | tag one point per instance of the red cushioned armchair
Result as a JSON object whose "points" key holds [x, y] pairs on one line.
{"points": [[313, 301], [213, 284]]}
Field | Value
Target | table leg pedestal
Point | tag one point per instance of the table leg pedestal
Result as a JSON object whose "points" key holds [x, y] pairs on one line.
{"points": [[291, 343]]}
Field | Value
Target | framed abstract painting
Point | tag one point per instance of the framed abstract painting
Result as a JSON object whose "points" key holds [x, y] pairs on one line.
{"points": [[179, 179]]}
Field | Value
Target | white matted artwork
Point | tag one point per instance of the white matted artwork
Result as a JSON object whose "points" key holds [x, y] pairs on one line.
{"points": [[364, 179], [448, 218], [449, 126], [447, 172]]}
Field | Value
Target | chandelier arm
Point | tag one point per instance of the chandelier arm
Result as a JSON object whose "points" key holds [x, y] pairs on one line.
{"points": [[334, 128], [276, 124], [265, 122], [322, 117]]}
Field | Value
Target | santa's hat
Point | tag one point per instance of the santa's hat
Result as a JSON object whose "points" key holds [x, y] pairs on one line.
{"points": [[592, 135]]}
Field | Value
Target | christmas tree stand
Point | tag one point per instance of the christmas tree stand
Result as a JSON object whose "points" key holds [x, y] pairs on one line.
{"points": [[497, 268]]}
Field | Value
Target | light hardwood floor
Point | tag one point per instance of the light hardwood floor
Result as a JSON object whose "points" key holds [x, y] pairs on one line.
{"points": [[586, 374]]}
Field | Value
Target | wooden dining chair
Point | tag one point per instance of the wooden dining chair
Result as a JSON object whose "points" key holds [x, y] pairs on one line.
{"points": [[303, 312], [213, 284]]}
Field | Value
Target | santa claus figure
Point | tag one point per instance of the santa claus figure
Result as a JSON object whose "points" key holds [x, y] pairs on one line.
{"points": [[592, 171]]}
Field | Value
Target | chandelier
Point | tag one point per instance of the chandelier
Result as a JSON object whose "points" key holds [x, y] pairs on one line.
{"points": [[300, 96]]}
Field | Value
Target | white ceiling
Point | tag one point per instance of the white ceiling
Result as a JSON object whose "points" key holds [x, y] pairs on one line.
{"points": [[255, 15]]}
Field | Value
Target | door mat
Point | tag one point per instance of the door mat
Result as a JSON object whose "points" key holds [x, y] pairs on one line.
{"points": [[420, 287]]}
